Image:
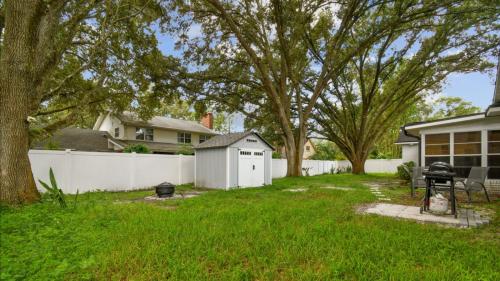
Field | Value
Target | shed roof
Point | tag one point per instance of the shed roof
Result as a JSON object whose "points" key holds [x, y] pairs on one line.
{"points": [[227, 140]]}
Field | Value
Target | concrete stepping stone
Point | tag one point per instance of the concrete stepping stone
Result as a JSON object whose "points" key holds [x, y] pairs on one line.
{"points": [[336, 187], [295, 189]]}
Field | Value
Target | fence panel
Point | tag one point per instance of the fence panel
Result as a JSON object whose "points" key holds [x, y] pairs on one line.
{"points": [[88, 171]]}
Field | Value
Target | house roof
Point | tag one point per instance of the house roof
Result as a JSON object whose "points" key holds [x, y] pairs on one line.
{"points": [[444, 121], [79, 139], [406, 139], [130, 118], [227, 140]]}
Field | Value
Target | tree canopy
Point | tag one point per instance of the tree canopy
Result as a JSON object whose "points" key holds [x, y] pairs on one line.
{"points": [[378, 85], [272, 60]]}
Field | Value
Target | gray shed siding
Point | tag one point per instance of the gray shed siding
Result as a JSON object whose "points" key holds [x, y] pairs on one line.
{"points": [[243, 143], [211, 168], [218, 167], [233, 166], [268, 165]]}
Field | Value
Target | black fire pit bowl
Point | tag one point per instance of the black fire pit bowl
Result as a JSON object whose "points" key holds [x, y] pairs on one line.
{"points": [[165, 189]]}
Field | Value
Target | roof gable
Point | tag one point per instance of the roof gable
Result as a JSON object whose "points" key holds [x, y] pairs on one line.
{"points": [[229, 139]]}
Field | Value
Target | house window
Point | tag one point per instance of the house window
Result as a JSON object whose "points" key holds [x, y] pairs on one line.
{"points": [[204, 138], [184, 137], [144, 134], [467, 152], [437, 148], [117, 132], [494, 154], [308, 148]]}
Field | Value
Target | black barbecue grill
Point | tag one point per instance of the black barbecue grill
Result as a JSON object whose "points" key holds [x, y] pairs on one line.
{"points": [[439, 177]]}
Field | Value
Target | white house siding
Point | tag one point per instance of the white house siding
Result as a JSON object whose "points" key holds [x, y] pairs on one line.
{"points": [[483, 125], [211, 167], [410, 153]]}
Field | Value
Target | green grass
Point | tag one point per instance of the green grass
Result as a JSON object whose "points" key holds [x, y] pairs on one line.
{"points": [[250, 234]]}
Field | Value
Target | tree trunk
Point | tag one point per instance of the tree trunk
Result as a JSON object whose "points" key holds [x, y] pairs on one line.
{"points": [[358, 165], [17, 88], [294, 152]]}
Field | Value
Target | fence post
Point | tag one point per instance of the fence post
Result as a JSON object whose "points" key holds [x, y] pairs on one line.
{"points": [[68, 188], [180, 168], [132, 170]]}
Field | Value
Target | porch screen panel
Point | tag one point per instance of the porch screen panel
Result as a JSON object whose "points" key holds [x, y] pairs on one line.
{"points": [[437, 148], [494, 154], [467, 146]]}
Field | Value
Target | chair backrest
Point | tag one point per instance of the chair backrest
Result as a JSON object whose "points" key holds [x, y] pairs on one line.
{"points": [[417, 172], [477, 174]]}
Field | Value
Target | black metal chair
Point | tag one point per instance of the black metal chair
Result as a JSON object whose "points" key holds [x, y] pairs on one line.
{"points": [[475, 182], [417, 179]]}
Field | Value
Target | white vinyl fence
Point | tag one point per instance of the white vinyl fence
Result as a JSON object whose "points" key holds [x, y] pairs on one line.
{"points": [[89, 171]]}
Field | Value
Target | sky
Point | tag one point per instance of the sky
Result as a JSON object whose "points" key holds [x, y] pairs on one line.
{"points": [[475, 87]]}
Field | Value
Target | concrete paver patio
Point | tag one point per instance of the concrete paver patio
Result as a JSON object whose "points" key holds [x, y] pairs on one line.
{"points": [[466, 217]]}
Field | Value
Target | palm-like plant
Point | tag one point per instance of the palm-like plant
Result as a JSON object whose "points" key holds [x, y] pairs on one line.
{"points": [[55, 193]]}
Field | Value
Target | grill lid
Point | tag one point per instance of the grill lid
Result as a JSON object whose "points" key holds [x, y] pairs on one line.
{"points": [[441, 167]]}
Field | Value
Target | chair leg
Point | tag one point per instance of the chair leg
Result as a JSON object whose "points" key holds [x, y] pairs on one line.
{"points": [[486, 193]]}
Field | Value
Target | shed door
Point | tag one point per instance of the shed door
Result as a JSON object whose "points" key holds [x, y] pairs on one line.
{"points": [[250, 168]]}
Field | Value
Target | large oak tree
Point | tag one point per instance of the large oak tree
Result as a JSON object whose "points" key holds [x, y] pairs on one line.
{"points": [[61, 60], [273, 60], [380, 84]]}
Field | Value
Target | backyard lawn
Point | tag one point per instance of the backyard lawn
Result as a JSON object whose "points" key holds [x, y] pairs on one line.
{"points": [[249, 234]]}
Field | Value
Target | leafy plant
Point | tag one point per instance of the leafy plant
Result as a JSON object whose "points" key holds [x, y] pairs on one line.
{"points": [[276, 155], [344, 170], [55, 193], [404, 170], [137, 148], [306, 171], [185, 150]]}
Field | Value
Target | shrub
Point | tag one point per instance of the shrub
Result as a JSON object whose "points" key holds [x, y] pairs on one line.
{"points": [[137, 148], [185, 150], [404, 170], [276, 155]]}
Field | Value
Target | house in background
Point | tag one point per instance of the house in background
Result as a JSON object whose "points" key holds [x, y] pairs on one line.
{"points": [[463, 141], [309, 150], [163, 135], [81, 140], [112, 133]]}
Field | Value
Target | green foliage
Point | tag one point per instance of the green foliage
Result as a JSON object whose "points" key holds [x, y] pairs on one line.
{"points": [[52, 145], [137, 148], [185, 150], [445, 107], [326, 150], [244, 228], [55, 193], [408, 64], [405, 170], [276, 155]]}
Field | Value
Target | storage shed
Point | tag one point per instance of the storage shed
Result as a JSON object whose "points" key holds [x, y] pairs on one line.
{"points": [[233, 160]]}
